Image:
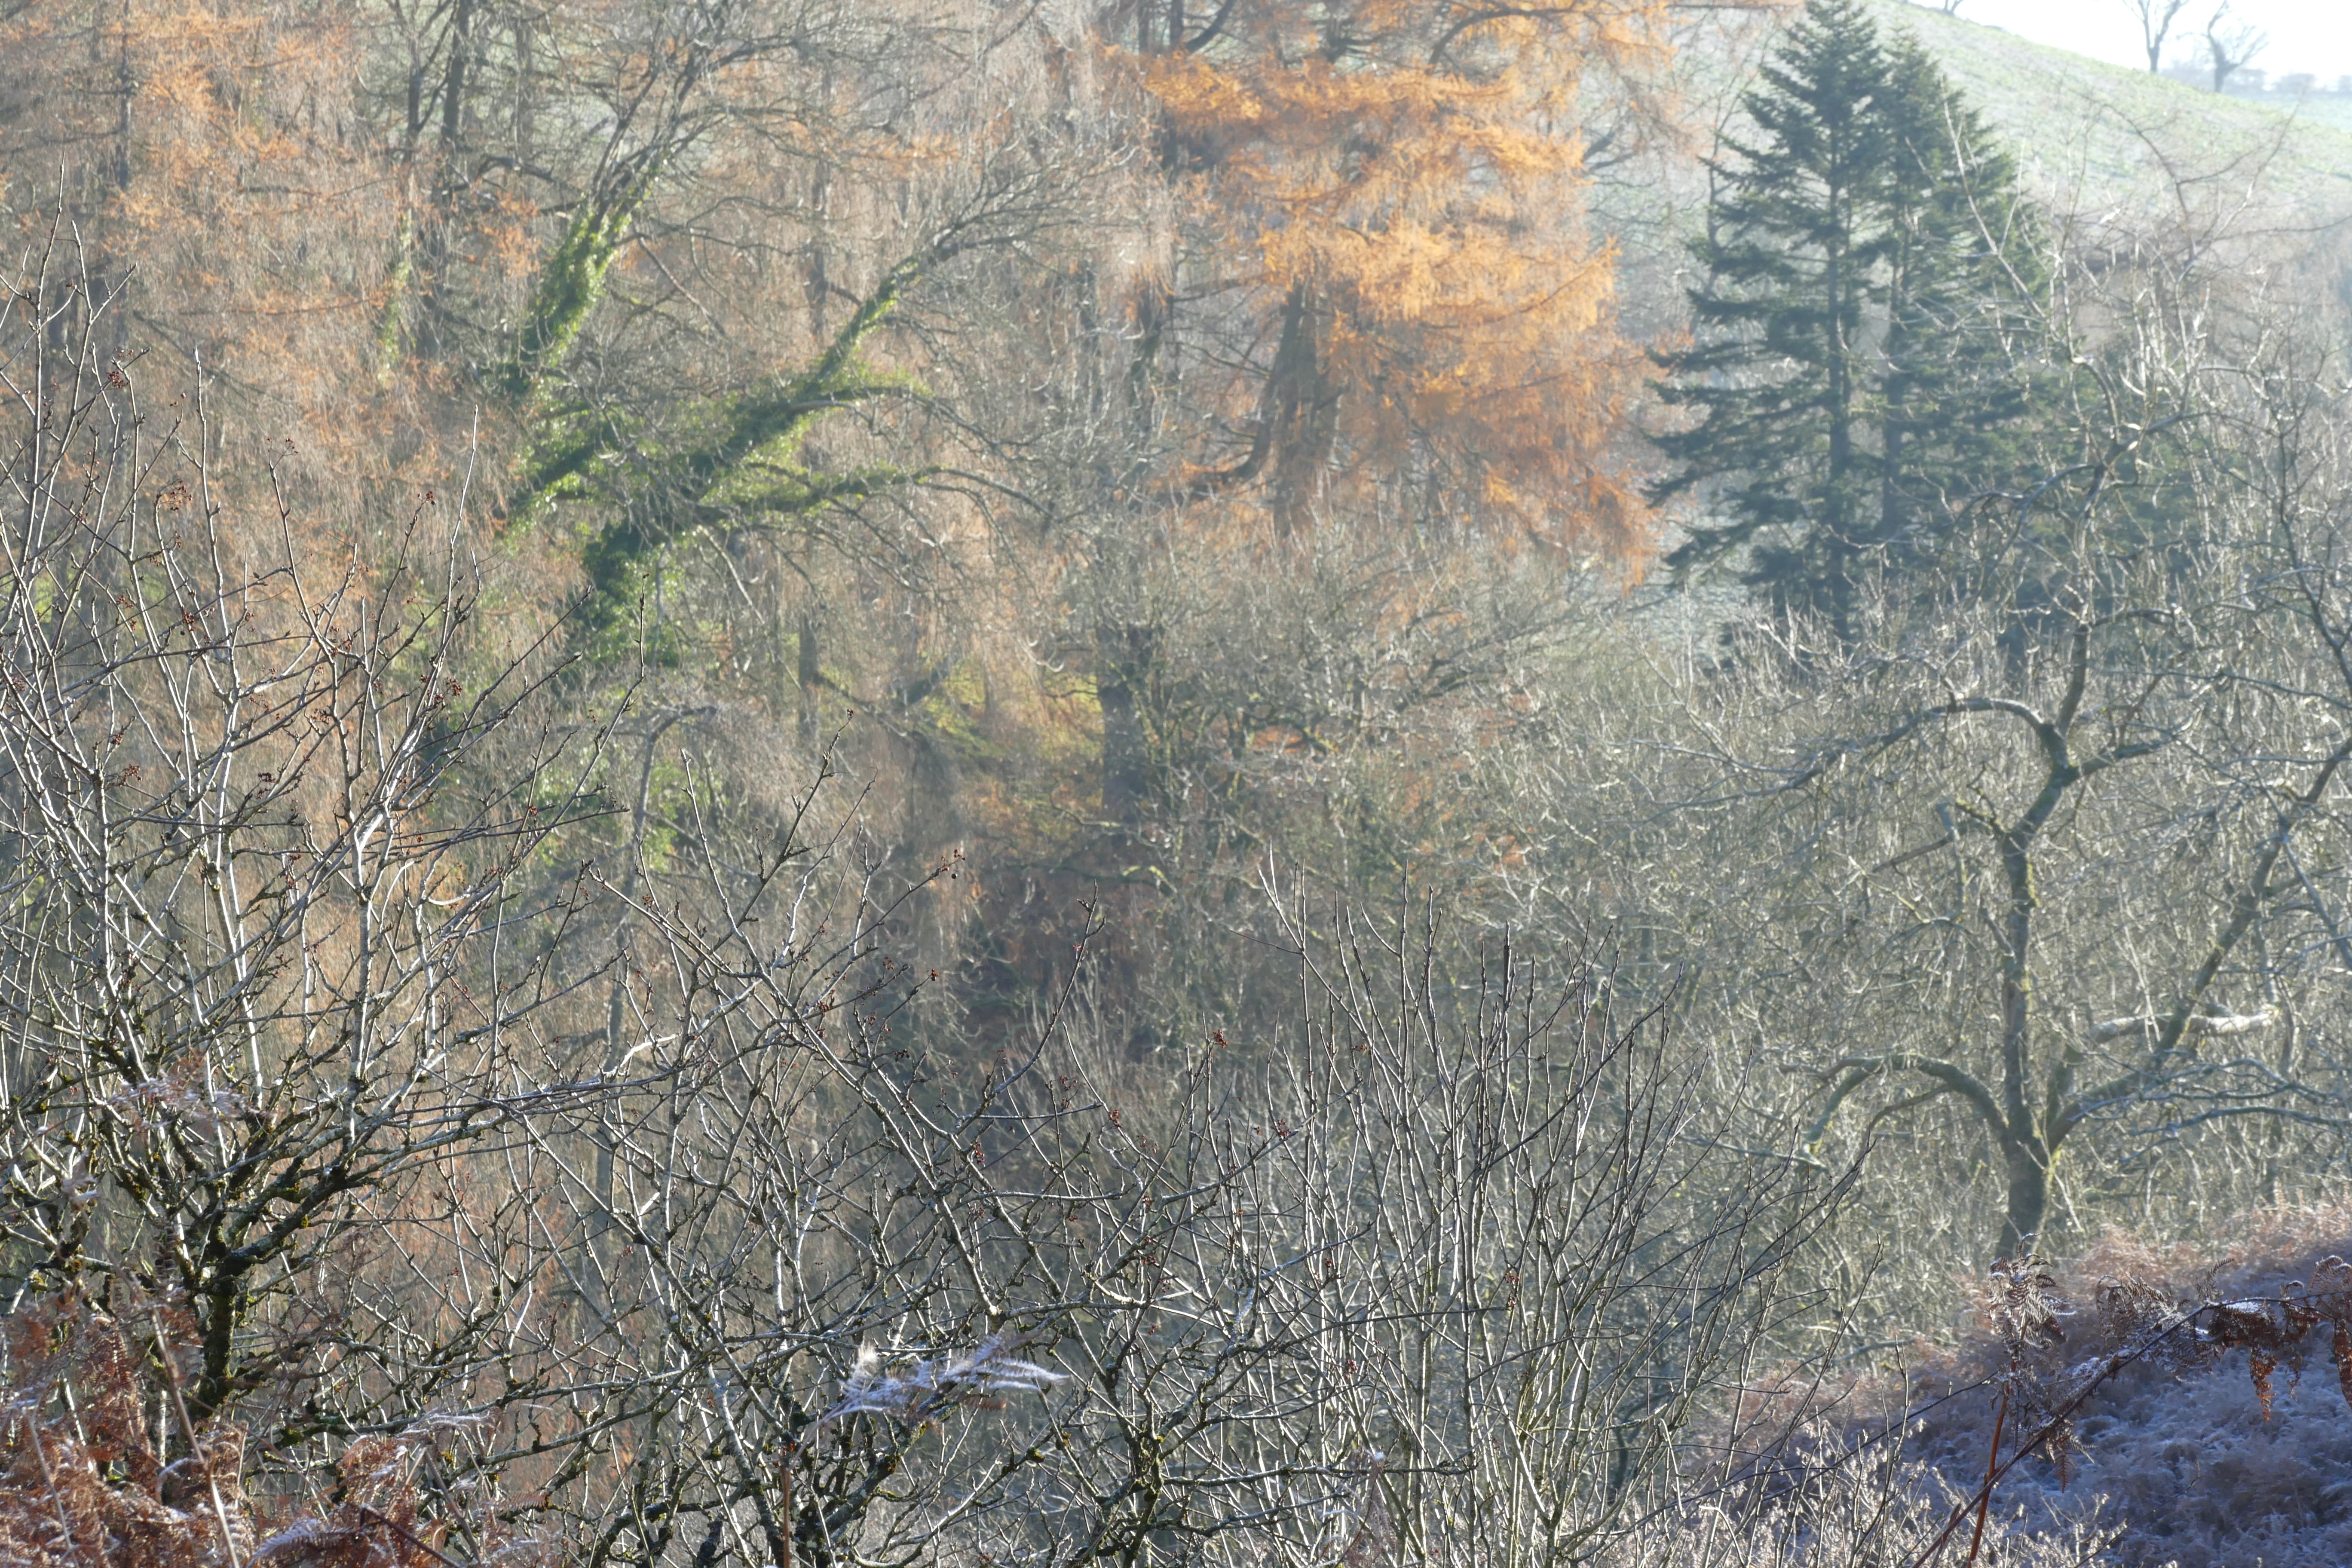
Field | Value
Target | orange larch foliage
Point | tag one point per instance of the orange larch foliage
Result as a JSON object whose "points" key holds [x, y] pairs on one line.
{"points": [[210, 171], [1389, 194]]}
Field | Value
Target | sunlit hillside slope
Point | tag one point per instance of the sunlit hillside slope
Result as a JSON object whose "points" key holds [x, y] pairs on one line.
{"points": [[2095, 141], [2103, 133]]}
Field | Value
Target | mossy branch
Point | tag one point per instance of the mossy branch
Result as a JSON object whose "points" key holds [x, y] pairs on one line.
{"points": [[570, 285], [742, 462]]}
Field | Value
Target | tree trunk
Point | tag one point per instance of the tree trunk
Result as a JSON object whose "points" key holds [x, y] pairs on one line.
{"points": [[1125, 653], [807, 673], [1837, 511], [2025, 1146], [1306, 406], [2029, 1194]]}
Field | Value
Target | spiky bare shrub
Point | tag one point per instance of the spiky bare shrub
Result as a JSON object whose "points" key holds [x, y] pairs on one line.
{"points": [[265, 983], [1460, 1259]]}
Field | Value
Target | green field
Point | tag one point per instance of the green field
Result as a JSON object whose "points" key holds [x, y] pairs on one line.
{"points": [[2100, 133]]}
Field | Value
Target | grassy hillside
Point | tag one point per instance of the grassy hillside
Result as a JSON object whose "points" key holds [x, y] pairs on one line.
{"points": [[2333, 110], [2093, 137], [2087, 129]]}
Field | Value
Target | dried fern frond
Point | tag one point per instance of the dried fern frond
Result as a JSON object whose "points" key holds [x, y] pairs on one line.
{"points": [[82, 1487], [82, 1484], [2022, 1306]]}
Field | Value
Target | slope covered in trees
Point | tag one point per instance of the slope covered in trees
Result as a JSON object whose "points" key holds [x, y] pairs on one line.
{"points": [[818, 782]]}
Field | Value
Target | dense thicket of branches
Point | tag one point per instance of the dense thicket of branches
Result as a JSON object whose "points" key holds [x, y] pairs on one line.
{"points": [[798, 781], [329, 1088]]}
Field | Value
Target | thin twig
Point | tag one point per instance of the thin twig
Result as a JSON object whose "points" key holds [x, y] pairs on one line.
{"points": [[1992, 1472]]}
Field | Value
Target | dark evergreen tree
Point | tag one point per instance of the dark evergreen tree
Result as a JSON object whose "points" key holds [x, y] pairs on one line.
{"points": [[1853, 376], [1955, 383]]}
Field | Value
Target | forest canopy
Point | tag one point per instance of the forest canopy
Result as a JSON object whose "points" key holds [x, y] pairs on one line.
{"points": [[806, 782]]}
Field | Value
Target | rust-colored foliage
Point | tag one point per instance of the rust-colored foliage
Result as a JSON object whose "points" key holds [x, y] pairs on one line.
{"points": [[90, 1398], [2133, 1315], [1390, 190], [83, 1484], [211, 165], [2272, 1331], [2232, 1325], [2341, 1351]]}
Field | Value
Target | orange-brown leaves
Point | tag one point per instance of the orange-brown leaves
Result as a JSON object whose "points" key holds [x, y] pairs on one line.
{"points": [[2271, 1331], [2261, 1364], [2264, 1334], [2341, 1351], [82, 1486], [2328, 1299], [215, 171], [1414, 182]]}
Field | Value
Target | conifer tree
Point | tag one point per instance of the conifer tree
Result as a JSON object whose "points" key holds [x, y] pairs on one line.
{"points": [[1852, 379], [1954, 387]]}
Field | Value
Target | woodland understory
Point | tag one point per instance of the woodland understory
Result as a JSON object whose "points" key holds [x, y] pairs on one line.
{"points": [[842, 781]]}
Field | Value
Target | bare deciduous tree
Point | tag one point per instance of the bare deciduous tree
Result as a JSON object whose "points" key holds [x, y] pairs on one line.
{"points": [[2154, 18], [2230, 46], [656, 1195], [265, 959]]}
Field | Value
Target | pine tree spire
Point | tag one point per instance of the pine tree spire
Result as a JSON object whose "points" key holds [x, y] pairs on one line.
{"points": [[1851, 379]]}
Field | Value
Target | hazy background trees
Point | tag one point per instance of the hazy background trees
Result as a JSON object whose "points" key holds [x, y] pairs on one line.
{"points": [[1118, 703]]}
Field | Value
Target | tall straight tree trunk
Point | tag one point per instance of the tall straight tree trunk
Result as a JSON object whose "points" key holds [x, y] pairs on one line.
{"points": [[1838, 509], [1894, 426], [1306, 405], [807, 673], [1123, 655], [2024, 1151]]}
